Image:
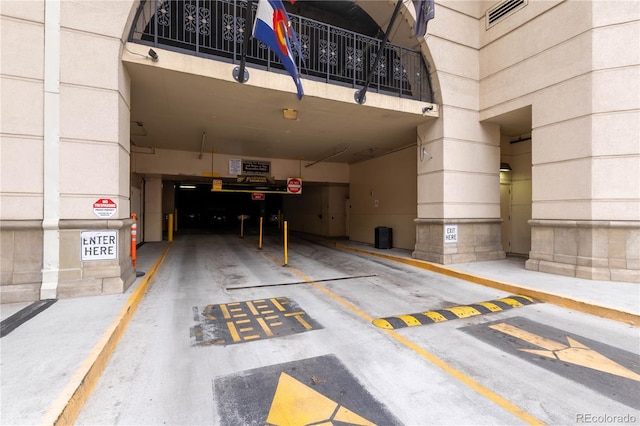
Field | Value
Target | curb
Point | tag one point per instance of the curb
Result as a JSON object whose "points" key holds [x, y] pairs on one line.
{"points": [[69, 403], [565, 302]]}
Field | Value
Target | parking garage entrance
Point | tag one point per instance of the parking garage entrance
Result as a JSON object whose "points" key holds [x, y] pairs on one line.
{"points": [[199, 209]]}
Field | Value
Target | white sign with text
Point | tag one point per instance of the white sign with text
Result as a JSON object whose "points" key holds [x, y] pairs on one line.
{"points": [[99, 245], [451, 233]]}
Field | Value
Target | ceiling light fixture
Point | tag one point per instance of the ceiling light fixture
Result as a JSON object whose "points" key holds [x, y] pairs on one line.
{"points": [[289, 114]]}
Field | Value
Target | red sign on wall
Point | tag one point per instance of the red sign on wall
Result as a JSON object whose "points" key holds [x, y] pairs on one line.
{"points": [[257, 196], [294, 186], [104, 208]]}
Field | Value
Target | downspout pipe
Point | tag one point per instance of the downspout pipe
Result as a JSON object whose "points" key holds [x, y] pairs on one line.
{"points": [[51, 163]]}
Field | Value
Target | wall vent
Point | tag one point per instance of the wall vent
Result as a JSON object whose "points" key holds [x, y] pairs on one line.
{"points": [[503, 9]]}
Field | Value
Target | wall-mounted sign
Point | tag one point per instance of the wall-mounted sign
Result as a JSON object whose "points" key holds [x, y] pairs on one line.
{"points": [[264, 180], [235, 167], [294, 186], [99, 245], [255, 167], [216, 185], [257, 196], [451, 233], [104, 208]]}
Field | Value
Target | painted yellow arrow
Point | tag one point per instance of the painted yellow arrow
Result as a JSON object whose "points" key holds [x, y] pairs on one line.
{"points": [[295, 404], [575, 353]]}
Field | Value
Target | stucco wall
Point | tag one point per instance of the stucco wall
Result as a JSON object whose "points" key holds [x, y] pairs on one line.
{"points": [[383, 192]]}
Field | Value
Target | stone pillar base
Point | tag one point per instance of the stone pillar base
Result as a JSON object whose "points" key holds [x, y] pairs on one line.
{"points": [[597, 250], [476, 240], [21, 250]]}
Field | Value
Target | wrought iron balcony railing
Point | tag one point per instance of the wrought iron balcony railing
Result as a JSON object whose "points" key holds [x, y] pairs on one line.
{"points": [[216, 29]]}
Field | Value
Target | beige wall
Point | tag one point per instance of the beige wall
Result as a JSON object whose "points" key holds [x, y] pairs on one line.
{"points": [[588, 95], [582, 81], [65, 144], [319, 210], [383, 192], [183, 163]]}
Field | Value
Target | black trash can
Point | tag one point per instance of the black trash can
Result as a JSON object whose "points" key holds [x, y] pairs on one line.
{"points": [[383, 237]]}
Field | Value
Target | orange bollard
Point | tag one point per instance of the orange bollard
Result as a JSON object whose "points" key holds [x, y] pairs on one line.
{"points": [[134, 239]]}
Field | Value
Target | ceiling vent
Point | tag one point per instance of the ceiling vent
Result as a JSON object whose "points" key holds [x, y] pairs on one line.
{"points": [[503, 9]]}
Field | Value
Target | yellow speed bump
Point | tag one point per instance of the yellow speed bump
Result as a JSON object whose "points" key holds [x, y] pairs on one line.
{"points": [[463, 311]]}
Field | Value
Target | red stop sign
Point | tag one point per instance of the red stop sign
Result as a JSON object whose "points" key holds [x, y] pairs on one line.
{"points": [[294, 186]]}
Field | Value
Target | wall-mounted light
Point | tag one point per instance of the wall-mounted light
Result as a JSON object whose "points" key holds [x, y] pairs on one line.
{"points": [[187, 187], [505, 167], [289, 114], [153, 55]]}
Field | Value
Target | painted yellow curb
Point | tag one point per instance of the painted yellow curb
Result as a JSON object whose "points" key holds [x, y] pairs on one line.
{"points": [[67, 406], [565, 302]]}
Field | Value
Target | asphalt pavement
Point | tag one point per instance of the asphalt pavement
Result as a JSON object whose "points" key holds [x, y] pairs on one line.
{"points": [[50, 363]]}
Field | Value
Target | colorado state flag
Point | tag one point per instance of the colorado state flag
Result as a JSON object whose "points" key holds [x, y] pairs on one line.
{"points": [[272, 27]]}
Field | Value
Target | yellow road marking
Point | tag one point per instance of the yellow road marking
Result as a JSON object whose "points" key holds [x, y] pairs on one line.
{"points": [[264, 326], [528, 337], [486, 392], [278, 305], [253, 309], [295, 403], [575, 352], [303, 322], [225, 312], [234, 333], [70, 401]]}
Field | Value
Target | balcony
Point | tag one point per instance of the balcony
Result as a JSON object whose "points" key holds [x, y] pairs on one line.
{"points": [[215, 29]]}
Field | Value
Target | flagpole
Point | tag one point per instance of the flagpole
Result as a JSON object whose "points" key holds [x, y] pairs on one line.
{"points": [[360, 94], [240, 73]]}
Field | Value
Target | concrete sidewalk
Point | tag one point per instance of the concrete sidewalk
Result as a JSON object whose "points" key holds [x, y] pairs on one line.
{"points": [[47, 358], [619, 301], [50, 364]]}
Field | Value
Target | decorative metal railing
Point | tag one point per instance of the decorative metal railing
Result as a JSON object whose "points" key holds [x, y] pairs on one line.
{"points": [[216, 29]]}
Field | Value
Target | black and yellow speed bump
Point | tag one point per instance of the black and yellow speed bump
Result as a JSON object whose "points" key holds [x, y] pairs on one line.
{"points": [[430, 317]]}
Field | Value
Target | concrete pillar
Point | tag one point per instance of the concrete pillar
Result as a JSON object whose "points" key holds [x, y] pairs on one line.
{"points": [[458, 189]]}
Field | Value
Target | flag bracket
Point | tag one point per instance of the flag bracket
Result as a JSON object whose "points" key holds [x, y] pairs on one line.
{"points": [[236, 75], [360, 94]]}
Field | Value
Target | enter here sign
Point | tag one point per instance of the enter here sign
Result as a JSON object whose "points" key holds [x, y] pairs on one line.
{"points": [[99, 245]]}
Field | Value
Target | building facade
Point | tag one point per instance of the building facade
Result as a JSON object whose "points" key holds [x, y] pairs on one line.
{"points": [[548, 89]]}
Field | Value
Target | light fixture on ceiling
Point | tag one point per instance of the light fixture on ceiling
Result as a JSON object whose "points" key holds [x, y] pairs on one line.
{"points": [[289, 114], [505, 167]]}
